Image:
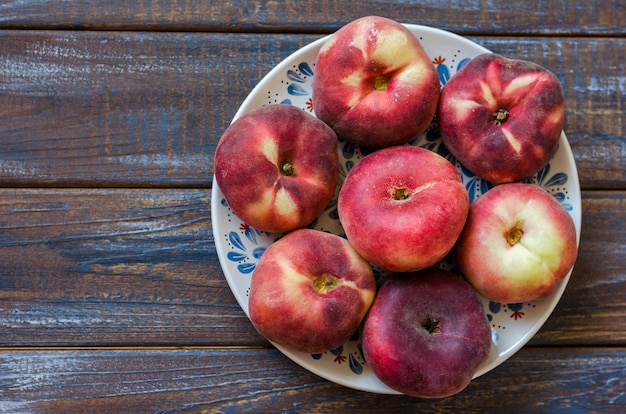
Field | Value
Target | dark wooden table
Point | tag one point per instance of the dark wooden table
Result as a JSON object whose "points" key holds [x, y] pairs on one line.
{"points": [[111, 295]]}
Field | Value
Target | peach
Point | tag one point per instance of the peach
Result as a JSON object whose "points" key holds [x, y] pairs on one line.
{"points": [[403, 207], [426, 334], [517, 245], [374, 84], [277, 167], [310, 291], [502, 118]]}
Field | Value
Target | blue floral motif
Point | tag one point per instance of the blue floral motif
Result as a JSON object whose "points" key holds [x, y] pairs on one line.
{"points": [[443, 71], [294, 76], [475, 186], [299, 77], [494, 307], [515, 308], [244, 266], [305, 69], [250, 233], [354, 358], [433, 140], [432, 134], [462, 63], [296, 90], [235, 240], [557, 180], [236, 257], [334, 212], [349, 150], [444, 74], [246, 262], [541, 174], [337, 351], [355, 365]]}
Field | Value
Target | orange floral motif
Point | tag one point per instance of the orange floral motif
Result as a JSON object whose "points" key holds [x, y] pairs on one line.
{"points": [[340, 359], [309, 104], [439, 60], [244, 226], [517, 315]]}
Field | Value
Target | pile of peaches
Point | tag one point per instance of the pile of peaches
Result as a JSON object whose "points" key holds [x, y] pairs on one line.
{"points": [[403, 208]]}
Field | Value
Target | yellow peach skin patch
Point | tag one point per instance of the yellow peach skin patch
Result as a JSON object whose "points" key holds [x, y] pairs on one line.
{"points": [[487, 95], [514, 142], [284, 203], [264, 202], [463, 107], [392, 51], [520, 85], [280, 201], [555, 117], [269, 148]]}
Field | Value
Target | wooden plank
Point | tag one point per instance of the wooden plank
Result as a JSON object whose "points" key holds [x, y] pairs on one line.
{"points": [[589, 380], [594, 298], [147, 109], [112, 267], [83, 267], [123, 109], [475, 16]]}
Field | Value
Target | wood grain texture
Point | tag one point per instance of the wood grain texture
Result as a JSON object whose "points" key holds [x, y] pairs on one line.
{"points": [[107, 267], [555, 380], [592, 307], [125, 109], [603, 17], [88, 267]]}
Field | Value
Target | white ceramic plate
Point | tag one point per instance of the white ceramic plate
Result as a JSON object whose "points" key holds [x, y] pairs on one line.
{"points": [[240, 246]]}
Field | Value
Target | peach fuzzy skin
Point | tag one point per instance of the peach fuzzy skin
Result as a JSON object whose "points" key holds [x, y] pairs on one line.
{"points": [[512, 272], [403, 207], [426, 334], [310, 291], [516, 145], [374, 84], [250, 162]]}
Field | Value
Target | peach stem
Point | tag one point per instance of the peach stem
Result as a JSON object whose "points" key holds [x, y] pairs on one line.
{"points": [[430, 325], [500, 116], [514, 235], [326, 283], [381, 82], [400, 193], [286, 168]]}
